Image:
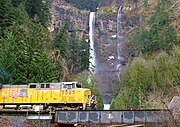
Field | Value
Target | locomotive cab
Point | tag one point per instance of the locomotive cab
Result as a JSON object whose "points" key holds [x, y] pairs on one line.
{"points": [[82, 96], [90, 100]]}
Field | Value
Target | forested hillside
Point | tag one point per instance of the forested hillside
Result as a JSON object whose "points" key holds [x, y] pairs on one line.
{"points": [[152, 75], [29, 53]]}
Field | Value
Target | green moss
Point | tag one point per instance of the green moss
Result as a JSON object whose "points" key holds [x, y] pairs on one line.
{"points": [[108, 10]]}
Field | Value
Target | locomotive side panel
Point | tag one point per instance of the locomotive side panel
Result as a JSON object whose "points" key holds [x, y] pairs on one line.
{"points": [[13, 95], [55, 95], [29, 95], [46, 96], [43, 96], [4, 95], [32, 96]]}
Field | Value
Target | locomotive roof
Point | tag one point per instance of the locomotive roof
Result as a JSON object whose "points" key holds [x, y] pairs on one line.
{"points": [[44, 83], [57, 84]]}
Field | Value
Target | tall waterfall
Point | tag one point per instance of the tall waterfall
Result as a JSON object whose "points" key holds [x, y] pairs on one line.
{"points": [[115, 72], [120, 40], [91, 38], [120, 36], [107, 68]]}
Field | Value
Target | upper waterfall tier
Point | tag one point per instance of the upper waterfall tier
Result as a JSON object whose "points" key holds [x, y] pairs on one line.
{"points": [[91, 38]]}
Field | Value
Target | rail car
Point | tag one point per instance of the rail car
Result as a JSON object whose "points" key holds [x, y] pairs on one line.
{"points": [[46, 96]]}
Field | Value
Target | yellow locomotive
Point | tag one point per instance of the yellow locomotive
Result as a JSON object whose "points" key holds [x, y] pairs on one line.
{"points": [[62, 95]]}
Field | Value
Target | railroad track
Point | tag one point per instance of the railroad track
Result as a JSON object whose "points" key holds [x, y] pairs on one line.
{"points": [[14, 112]]}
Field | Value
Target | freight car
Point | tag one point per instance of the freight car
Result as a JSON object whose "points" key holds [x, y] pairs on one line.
{"points": [[46, 96]]}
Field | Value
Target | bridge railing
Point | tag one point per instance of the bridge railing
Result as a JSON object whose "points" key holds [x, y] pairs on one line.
{"points": [[109, 117]]}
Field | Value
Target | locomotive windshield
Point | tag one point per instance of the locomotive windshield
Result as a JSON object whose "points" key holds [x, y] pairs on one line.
{"points": [[72, 85], [78, 85]]}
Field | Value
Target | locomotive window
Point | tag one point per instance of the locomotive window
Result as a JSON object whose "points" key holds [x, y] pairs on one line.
{"points": [[47, 85], [78, 85], [64, 86], [69, 86], [42, 85], [52, 86], [73, 85], [32, 86]]}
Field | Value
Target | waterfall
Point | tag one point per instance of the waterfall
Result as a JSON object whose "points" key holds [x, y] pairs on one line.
{"points": [[108, 69], [120, 40], [114, 72], [91, 49], [91, 38], [120, 37]]}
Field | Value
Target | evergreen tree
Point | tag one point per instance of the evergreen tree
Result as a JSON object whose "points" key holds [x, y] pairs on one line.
{"points": [[159, 35], [13, 10], [42, 69], [139, 81], [78, 53], [10, 14], [39, 8], [9, 54], [74, 49], [24, 56], [84, 53], [16, 3], [61, 41]]}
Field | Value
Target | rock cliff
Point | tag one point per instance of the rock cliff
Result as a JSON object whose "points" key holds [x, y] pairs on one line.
{"points": [[63, 12], [105, 35]]}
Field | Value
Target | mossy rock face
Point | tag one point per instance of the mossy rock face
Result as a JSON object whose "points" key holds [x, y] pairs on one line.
{"points": [[93, 4], [85, 4], [108, 11], [64, 12]]}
